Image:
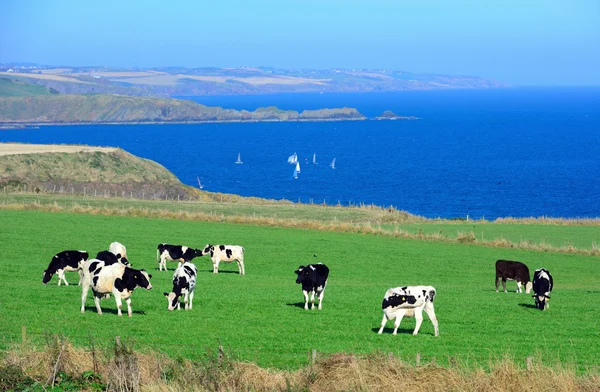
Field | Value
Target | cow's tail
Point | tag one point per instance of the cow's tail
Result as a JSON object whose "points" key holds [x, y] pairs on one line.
{"points": [[157, 255], [431, 295]]}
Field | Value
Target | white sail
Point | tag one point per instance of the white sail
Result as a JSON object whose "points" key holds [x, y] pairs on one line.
{"points": [[332, 164], [295, 173], [315, 158], [298, 167], [199, 184], [293, 159], [239, 160]]}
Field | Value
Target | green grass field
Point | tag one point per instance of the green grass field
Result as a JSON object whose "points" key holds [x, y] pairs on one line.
{"points": [[259, 316]]}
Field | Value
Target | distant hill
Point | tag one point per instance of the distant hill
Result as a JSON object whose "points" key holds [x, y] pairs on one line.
{"points": [[77, 109], [13, 88], [177, 81]]}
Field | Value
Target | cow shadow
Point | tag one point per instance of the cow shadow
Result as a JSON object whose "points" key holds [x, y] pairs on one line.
{"points": [[528, 306], [401, 331], [114, 310], [298, 304]]}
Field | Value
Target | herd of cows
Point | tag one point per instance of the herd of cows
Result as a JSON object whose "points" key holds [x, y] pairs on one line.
{"points": [[111, 273]]}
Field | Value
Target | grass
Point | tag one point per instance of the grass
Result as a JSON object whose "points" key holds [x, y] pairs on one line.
{"points": [[259, 318], [11, 88]]}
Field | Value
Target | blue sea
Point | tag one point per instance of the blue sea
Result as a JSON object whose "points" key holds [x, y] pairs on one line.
{"points": [[484, 153]]}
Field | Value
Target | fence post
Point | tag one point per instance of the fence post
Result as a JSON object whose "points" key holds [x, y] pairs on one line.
{"points": [[118, 341], [314, 355], [529, 363], [433, 362], [23, 334], [418, 359]]}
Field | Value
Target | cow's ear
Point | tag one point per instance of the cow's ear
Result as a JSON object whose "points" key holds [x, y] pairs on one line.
{"points": [[166, 294], [118, 255], [547, 296], [150, 276]]}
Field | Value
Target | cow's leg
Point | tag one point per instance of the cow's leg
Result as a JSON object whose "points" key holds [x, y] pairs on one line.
{"points": [[160, 263], [80, 271], [419, 318], [399, 316], [97, 297], [216, 266], [61, 276], [321, 299], [305, 299], [241, 267], [497, 282], [119, 302], [85, 287], [129, 311], [431, 313], [186, 300], [191, 299], [519, 287], [504, 284], [383, 322], [312, 299]]}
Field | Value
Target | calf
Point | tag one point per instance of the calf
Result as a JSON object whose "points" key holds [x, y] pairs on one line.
{"points": [[179, 253], [115, 279], [65, 261], [117, 249], [110, 258], [513, 270], [184, 281], [542, 286], [409, 301], [227, 253], [313, 278]]}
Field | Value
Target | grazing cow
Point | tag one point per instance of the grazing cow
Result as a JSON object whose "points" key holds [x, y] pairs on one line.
{"points": [[110, 258], [65, 261], [409, 301], [227, 253], [117, 249], [542, 286], [513, 270], [116, 279], [184, 281], [179, 253], [313, 278]]}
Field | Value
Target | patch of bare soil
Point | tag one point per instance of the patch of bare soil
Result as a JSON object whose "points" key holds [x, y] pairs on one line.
{"points": [[17, 148]]}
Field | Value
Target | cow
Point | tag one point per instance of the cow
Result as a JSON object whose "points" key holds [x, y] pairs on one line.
{"points": [[115, 279], [313, 278], [117, 249], [409, 301], [179, 253], [184, 281], [513, 270], [542, 286], [227, 253], [110, 258], [65, 261]]}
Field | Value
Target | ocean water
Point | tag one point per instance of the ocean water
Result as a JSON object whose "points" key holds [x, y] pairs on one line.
{"points": [[483, 153]]}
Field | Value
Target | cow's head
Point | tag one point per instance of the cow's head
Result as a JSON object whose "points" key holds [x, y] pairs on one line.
{"points": [[197, 253], [172, 299], [541, 301], [47, 276], [528, 287], [207, 249], [142, 279], [303, 273]]}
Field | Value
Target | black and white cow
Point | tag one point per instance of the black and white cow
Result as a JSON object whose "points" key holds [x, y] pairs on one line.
{"points": [[179, 253], [227, 253], [313, 278], [513, 270], [409, 301], [184, 281], [110, 258], [542, 286], [65, 261], [115, 279], [117, 249]]}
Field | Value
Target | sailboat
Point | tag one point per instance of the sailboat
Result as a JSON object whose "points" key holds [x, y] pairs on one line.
{"points": [[315, 159], [298, 167], [293, 159], [332, 164], [295, 174], [199, 184], [239, 160]]}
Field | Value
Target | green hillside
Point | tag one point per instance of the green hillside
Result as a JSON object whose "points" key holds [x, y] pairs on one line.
{"points": [[12, 88]]}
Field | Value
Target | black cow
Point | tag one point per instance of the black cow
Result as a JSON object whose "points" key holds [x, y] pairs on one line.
{"points": [[179, 253], [313, 278], [110, 258], [513, 270], [116, 279], [542, 286], [69, 261]]}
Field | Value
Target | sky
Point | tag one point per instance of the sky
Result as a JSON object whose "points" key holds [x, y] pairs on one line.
{"points": [[524, 42]]}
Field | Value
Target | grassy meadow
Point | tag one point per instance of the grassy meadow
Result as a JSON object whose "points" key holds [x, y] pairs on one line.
{"points": [[259, 317]]}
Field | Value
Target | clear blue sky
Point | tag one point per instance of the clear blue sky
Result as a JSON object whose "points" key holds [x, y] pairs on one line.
{"points": [[521, 42]]}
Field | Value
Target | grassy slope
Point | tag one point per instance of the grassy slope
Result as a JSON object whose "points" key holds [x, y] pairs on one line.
{"points": [[10, 88], [258, 316]]}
